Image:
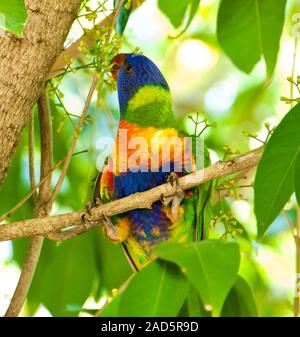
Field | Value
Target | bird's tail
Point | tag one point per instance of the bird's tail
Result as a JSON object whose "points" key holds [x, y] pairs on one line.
{"points": [[135, 255]]}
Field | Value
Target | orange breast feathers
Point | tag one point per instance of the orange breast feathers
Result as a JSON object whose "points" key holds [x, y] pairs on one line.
{"points": [[148, 147]]}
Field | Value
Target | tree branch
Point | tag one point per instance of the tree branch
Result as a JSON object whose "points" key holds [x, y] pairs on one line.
{"points": [[26, 277], [31, 157], [52, 224], [42, 206]]}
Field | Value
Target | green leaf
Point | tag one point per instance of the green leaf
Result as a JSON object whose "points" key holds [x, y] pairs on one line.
{"points": [[240, 301], [123, 15], [151, 291], [211, 266], [250, 29], [13, 16], [183, 312], [271, 23], [297, 179], [66, 280], [195, 305], [175, 13], [274, 181], [111, 277], [112, 308], [41, 279], [192, 12]]}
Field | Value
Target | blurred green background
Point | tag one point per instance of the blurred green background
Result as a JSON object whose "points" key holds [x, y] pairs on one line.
{"points": [[74, 277]]}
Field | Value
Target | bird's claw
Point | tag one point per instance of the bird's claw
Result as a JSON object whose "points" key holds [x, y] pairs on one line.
{"points": [[86, 216], [110, 230], [85, 221], [176, 199], [98, 202], [88, 208], [172, 178]]}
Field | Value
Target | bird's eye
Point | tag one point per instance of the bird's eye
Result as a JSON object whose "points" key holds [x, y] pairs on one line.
{"points": [[128, 69], [115, 67]]}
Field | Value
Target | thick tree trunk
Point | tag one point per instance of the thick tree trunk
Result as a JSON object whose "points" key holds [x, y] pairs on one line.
{"points": [[25, 64]]}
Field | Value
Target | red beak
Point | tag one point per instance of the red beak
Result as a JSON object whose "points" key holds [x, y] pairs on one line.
{"points": [[116, 64]]}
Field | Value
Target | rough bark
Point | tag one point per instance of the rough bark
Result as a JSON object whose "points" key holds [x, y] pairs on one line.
{"points": [[25, 64]]}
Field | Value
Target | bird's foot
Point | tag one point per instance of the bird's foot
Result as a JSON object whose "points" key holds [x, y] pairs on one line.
{"points": [[176, 199], [109, 229], [98, 202], [86, 216]]}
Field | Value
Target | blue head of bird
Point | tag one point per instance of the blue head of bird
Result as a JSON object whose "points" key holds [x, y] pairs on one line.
{"points": [[133, 72]]}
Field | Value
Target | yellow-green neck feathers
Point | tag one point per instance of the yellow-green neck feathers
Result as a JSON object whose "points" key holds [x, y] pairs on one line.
{"points": [[151, 106]]}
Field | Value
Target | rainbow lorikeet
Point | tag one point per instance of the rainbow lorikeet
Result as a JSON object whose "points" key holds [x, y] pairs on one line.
{"points": [[146, 113]]}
